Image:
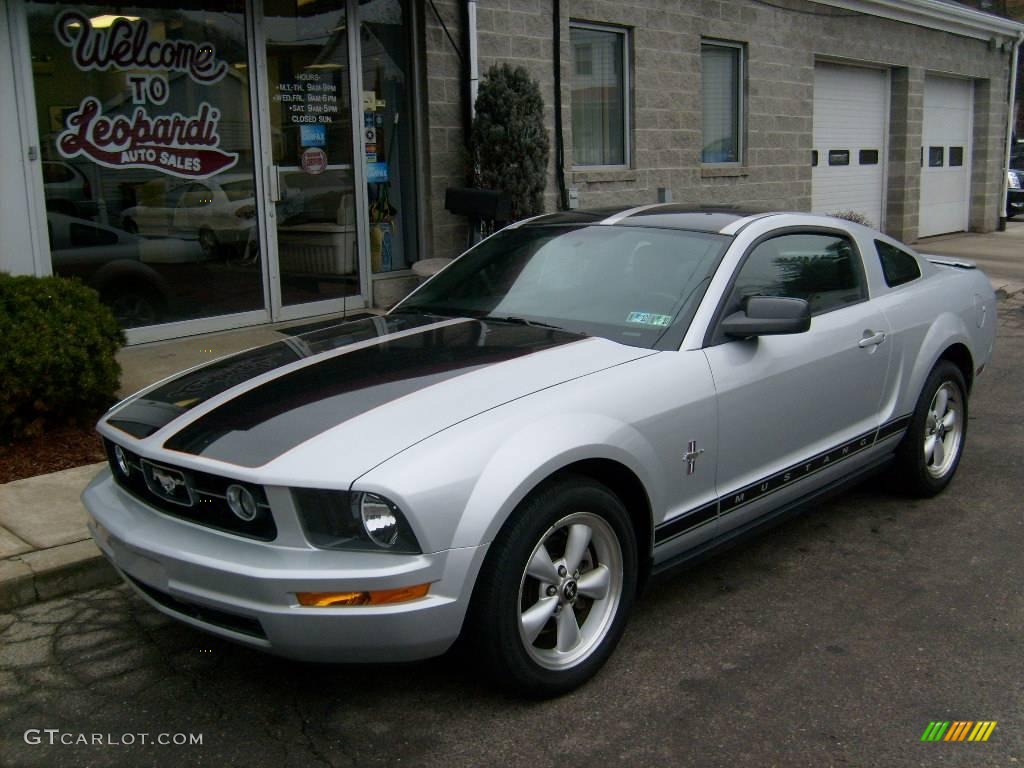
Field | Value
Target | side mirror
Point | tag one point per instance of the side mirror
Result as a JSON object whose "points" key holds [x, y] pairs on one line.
{"points": [[768, 316]]}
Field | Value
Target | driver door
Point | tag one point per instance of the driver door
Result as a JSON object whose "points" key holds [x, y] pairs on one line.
{"points": [[794, 410]]}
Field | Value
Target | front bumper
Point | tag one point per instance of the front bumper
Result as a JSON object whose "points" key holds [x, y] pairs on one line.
{"points": [[244, 590]]}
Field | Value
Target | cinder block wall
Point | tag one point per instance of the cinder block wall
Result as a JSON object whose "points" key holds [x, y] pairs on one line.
{"points": [[782, 47]]}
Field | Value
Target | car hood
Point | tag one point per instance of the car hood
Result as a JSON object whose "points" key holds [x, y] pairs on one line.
{"points": [[336, 402]]}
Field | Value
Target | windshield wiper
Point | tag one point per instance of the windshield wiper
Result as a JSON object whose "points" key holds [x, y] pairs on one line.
{"points": [[429, 310], [521, 321]]}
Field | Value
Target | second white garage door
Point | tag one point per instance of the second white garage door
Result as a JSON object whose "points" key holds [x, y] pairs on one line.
{"points": [[850, 117], [945, 158]]}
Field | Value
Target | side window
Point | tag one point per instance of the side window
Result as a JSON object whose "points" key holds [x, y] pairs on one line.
{"points": [[898, 266], [86, 236], [196, 196], [823, 269]]}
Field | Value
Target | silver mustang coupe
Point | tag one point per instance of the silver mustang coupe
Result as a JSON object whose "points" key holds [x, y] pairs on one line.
{"points": [[579, 401]]}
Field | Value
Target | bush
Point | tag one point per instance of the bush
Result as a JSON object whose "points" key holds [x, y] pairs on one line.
{"points": [[57, 354], [855, 216], [510, 143]]}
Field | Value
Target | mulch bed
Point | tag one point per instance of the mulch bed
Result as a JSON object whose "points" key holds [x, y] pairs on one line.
{"points": [[57, 448]]}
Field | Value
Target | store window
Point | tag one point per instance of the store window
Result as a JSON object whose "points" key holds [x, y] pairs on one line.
{"points": [[388, 138], [600, 95], [148, 164], [722, 84]]}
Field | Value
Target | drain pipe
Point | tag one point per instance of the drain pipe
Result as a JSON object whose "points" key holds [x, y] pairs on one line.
{"points": [[472, 55], [1015, 58], [556, 54]]}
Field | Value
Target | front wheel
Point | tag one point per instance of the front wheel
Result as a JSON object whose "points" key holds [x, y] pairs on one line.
{"points": [[556, 589], [930, 452], [208, 243]]}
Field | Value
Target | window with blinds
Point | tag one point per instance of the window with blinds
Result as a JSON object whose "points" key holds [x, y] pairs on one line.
{"points": [[600, 88], [722, 83]]}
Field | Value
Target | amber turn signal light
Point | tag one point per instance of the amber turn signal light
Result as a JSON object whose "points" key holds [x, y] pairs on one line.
{"points": [[376, 597]]}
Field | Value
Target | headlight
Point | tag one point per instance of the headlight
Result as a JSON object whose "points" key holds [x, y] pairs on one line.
{"points": [[353, 521], [1014, 179], [380, 519]]}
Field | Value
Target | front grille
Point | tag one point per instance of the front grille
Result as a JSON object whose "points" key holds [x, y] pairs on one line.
{"points": [[218, 618], [201, 500]]}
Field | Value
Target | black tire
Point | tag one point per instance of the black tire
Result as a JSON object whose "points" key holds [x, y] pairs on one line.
{"points": [[129, 226], [913, 472], [505, 591], [208, 243], [133, 306]]}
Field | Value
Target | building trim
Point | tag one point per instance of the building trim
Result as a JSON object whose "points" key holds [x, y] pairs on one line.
{"points": [[935, 14]]}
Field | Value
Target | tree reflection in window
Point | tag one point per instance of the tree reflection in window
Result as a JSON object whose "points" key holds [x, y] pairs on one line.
{"points": [[821, 269]]}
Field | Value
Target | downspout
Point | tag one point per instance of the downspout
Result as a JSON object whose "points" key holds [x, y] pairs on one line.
{"points": [[1009, 126], [472, 55], [563, 197]]}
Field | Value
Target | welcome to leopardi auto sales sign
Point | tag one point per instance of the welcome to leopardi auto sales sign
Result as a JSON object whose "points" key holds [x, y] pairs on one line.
{"points": [[187, 146]]}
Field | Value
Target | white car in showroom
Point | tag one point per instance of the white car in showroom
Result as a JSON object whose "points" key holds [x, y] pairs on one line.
{"points": [[577, 402]]}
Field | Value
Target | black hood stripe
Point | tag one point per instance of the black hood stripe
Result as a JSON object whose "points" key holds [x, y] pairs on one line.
{"points": [[156, 409], [272, 418]]}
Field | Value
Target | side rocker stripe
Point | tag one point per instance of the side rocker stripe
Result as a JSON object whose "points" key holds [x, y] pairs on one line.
{"points": [[695, 518]]}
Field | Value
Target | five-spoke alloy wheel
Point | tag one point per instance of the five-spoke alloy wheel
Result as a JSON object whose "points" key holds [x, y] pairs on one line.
{"points": [[570, 590], [556, 588], [930, 452], [943, 430]]}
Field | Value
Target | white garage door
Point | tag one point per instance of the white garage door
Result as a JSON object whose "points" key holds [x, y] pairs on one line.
{"points": [[946, 155], [849, 140]]}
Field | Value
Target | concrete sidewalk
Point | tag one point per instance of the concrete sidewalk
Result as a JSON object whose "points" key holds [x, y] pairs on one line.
{"points": [[45, 548], [1000, 254]]}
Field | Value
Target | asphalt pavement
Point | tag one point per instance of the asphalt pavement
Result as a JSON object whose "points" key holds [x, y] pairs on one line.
{"points": [[833, 640]]}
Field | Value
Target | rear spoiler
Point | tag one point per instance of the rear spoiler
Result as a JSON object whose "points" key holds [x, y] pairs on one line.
{"points": [[951, 261]]}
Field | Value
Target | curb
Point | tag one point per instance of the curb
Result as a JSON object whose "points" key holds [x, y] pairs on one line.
{"points": [[49, 573]]}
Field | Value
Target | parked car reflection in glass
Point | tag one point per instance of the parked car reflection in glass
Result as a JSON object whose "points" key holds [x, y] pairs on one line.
{"points": [[119, 265], [67, 189], [214, 212]]}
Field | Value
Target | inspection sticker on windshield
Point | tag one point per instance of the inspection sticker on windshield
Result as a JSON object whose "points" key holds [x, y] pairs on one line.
{"points": [[649, 318]]}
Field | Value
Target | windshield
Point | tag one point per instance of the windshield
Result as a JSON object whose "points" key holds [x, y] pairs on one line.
{"points": [[627, 284]]}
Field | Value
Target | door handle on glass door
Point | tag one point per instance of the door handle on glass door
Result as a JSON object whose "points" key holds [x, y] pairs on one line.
{"points": [[871, 339]]}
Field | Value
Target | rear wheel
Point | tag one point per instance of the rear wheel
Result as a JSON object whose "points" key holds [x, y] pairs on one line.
{"points": [[930, 452], [556, 589], [133, 303]]}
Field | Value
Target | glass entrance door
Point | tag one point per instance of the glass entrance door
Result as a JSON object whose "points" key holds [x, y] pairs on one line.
{"points": [[312, 182]]}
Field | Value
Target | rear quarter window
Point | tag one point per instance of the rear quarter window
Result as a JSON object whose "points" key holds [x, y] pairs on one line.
{"points": [[898, 266]]}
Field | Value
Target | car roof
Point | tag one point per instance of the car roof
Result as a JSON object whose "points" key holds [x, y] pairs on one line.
{"points": [[723, 219]]}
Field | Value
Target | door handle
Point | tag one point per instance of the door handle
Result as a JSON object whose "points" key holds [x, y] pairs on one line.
{"points": [[274, 182], [871, 339]]}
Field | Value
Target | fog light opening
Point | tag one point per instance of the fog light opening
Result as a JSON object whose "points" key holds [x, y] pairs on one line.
{"points": [[374, 597], [242, 502], [122, 461]]}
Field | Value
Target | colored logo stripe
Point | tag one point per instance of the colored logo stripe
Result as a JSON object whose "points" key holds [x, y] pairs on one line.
{"points": [[982, 730], [958, 730]]}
